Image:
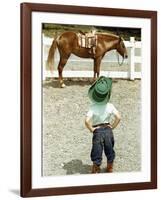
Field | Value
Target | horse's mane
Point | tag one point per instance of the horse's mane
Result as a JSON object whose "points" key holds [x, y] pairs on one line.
{"points": [[103, 35]]}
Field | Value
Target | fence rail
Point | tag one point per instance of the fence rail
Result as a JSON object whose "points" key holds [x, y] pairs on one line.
{"points": [[130, 74]]}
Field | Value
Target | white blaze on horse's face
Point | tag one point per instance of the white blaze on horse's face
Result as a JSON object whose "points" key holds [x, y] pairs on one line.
{"points": [[122, 49]]}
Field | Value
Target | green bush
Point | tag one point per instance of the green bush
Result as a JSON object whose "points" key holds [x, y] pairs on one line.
{"points": [[50, 30]]}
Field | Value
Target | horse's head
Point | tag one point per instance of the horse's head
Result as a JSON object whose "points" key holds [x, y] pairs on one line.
{"points": [[121, 49]]}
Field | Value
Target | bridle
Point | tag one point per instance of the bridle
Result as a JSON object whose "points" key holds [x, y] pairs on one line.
{"points": [[118, 58]]}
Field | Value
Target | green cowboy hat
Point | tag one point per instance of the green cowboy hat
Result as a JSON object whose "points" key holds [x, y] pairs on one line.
{"points": [[100, 90]]}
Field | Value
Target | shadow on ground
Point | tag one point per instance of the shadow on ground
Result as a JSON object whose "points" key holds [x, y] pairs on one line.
{"points": [[70, 82], [77, 167], [55, 83]]}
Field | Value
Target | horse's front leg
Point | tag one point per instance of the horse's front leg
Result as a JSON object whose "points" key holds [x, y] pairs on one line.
{"points": [[95, 72], [62, 62], [97, 62]]}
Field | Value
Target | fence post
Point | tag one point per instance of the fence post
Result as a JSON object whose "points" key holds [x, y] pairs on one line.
{"points": [[132, 60]]}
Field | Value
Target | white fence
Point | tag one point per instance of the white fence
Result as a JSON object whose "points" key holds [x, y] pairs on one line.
{"points": [[130, 74]]}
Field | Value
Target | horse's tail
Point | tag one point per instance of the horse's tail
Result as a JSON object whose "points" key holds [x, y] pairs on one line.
{"points": [[50, 59]]}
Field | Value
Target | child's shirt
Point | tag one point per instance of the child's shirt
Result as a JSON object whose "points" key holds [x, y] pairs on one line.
{"points": [[101, 113]]}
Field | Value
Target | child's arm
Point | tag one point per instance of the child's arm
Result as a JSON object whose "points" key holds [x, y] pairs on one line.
{"points": [[89, 124], [117, 119]]}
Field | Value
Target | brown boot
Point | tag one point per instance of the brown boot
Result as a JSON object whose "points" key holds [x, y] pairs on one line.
{"points": [[95, 169], [110, 167]]}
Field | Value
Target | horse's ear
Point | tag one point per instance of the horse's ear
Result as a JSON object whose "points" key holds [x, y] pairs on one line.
{"points": [[120, 38]]}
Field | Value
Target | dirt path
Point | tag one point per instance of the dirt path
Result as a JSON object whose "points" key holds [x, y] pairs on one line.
{"points": [[66, 141]]}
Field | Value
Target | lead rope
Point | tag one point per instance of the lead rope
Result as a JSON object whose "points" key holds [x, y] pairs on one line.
{"points": [[118, 59]]}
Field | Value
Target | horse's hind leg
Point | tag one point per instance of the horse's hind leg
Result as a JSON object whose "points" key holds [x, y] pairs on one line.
{"points": [[62, 62]]}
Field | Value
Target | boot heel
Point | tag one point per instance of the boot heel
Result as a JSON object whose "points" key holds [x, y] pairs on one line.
{"points": [[95, 169], [110, 167]]}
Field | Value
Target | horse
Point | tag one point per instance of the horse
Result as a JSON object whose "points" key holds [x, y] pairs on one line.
{"points": [[67, 44]]}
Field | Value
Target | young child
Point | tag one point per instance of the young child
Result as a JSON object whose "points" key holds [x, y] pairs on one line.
{"points": [[101, 119]]}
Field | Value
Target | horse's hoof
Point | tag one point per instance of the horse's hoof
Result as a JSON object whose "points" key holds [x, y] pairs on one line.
{"points": [[94, 80], [63, 85]]}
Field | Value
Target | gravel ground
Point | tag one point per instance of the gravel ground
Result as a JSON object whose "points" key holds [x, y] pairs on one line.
{"points": [[66, 141]]}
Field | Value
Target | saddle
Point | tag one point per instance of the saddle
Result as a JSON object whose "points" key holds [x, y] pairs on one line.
{"points": [[87, 40]]}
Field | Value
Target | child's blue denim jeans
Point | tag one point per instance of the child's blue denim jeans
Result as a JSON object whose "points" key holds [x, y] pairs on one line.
{"points": [[102, 140]]}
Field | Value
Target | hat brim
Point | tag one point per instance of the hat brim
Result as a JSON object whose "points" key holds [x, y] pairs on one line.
{"points": [[91, 92]]}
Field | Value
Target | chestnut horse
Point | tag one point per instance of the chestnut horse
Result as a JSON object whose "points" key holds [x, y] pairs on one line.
{"points": [[67, 44]]}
